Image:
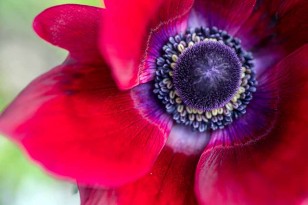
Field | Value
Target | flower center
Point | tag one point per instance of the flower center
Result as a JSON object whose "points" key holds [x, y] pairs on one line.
{"points": [[204, 78], [207, 75]]}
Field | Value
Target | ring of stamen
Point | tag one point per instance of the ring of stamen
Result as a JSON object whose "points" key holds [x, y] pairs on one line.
{"points": [[183, 113]]}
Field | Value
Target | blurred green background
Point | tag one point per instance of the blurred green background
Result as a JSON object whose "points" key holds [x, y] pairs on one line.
{"points": [[23, 56]]}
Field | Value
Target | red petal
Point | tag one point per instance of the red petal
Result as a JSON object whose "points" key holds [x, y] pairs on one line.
{"points": [[224, 14], [272, 170], [169, 182], [72, 27], [76, 123], [126, 29]]}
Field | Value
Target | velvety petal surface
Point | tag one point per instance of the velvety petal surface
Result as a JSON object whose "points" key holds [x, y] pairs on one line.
{"points": [[271, 170], [72, 27], [224, 14], [127, 27], [74, 121], [171, 181]]}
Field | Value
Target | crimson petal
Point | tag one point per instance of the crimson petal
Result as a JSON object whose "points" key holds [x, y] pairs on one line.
{"points": [[169, 182], [72, 27], [224, 14], [271, 170], [77, 123], [126, 29]]}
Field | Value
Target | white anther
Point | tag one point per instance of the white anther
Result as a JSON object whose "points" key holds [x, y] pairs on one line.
{"points": [[174, 58], [181, 48], [173, 65], [208, 115], [214, 112]]}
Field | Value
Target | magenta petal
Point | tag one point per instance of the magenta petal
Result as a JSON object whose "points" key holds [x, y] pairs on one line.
{"points": [[271, 170], [72, 27], [126, 29], [224, 14], [77, 124], [171, 181]]}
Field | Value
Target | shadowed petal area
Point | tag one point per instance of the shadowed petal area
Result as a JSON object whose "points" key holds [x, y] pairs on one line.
{"points": [[126, 30], [72, 27], [77, 124], [275, 29], [273, 169], [224, 14], [274, 23], [171, 181]]}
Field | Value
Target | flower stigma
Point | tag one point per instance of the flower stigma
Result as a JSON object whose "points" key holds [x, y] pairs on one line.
{"points": [[204, 78]]}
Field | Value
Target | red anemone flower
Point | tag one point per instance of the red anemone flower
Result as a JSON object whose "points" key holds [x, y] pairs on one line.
{"points": [[172, 102]]}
